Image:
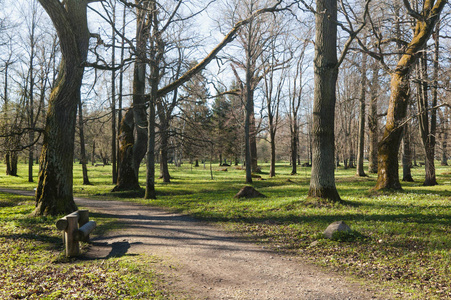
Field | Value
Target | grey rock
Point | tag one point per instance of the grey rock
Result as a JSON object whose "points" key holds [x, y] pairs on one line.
{"points": [[334, 227]]}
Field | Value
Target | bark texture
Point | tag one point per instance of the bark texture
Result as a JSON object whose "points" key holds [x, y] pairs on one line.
{"points": [[126, 174], [54, 191], [322, 182]]}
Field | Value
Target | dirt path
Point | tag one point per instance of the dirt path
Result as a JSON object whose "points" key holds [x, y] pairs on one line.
{"points": [[204, 262]]}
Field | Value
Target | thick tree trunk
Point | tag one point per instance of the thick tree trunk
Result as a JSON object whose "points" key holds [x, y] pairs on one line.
{"points": [[388, 177], [126, 179], [322, 182], [54, 191]]}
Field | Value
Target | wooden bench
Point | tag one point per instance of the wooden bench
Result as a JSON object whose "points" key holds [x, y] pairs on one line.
{"points": [[76, 227]]}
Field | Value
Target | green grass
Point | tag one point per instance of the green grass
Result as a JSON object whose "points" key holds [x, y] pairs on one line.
{"points": [[34, 267], [402, 240]]}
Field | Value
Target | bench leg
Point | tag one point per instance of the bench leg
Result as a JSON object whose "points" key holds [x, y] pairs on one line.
{"points": [[72, 245]]}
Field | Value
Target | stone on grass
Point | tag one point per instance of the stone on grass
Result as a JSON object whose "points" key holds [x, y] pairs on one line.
{"points": [[334, 227], [249, 192]]}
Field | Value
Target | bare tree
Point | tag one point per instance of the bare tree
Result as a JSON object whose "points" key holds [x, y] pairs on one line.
{"points": [[54, 194], [326, 65], [425, 21]]}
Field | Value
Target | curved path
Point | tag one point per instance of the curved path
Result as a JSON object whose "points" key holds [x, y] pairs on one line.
{"points": [[201, 261]]}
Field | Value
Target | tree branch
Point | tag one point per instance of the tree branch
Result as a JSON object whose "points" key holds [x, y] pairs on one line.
{"points": [[227, 39], [411, 12]]}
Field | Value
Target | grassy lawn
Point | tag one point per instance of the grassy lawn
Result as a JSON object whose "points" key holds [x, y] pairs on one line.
{"points": [[34, 266], [403, 240]]}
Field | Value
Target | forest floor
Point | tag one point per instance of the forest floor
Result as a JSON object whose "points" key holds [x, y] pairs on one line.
{"points": [[202, 261]]}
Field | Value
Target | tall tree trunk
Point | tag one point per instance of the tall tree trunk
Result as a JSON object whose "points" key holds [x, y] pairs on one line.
{"points": [[444, 158], [139, 143], [247, 149], [361, 145], [427, 123], [54, 194], [249, 130], [93, 154], [294, 145], [150, 168], [373, 121], [322, 182], [388, 177], [272, 168], [164, 145], [164, 117], [156, 55], [113, 100], [31, 121], [430, 178], [444, 136], [84, 160], [406, 155], [253, 136], [121, 83]]}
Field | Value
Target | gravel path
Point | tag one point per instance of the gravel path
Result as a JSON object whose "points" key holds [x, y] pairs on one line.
{"points": [[202, 261]]}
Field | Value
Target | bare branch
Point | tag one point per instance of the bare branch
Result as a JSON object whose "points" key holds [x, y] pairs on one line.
{"points": [[227, 39], [411, 12]]}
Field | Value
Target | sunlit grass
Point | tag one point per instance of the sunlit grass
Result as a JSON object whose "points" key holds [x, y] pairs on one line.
{"points": [[34, 267], [406, 235]]}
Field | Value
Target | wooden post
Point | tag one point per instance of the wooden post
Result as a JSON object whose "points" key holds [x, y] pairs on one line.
{"points": [[83, 218], [72, 245]]}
